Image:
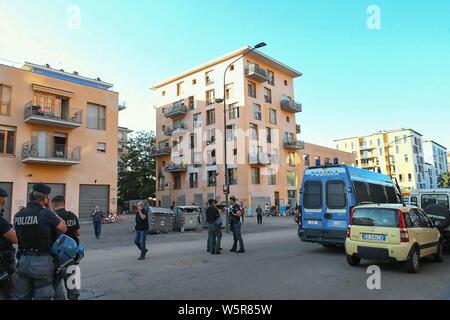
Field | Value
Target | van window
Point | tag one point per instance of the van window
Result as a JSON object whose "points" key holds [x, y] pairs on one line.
{"points": [[375, 217], [391, 195], [429, 199], [336, 198], [312, 197], [377, 193], [362, 195]]}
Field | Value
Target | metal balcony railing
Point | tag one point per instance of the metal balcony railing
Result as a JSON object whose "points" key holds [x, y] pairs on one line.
{"points": [[256, 73], [172, 167], [178, 109], [259, 158], [291, 105], [50, 153], [293, 144], [160, 151], [59, 117]]}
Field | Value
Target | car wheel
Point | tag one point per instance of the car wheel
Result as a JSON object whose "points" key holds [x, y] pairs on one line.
{"points": [[439, 257], [353, 260], [413, 263]]}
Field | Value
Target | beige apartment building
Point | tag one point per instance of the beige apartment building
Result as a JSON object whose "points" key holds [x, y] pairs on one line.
{"points": [[405, 148], [58, 128], [263, 152], [122, 140]]}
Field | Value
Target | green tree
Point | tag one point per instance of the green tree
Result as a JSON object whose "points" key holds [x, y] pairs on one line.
{"points": [[444, 180], [137, 169]]}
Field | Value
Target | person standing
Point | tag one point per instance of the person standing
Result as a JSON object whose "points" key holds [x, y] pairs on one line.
{"points": [[73, 231], [36, 228], [172, 207], [97, 217], [235, 226], [8, 237], [212, 214], [141, 229], [259, 214]]}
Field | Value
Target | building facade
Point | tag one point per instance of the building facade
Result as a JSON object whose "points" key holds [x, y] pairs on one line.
{"points": [[122, 140], [58, 128], [436, 156], [397, 152], [262, 147]]}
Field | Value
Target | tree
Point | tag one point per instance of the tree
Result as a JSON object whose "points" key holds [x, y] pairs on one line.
{"points": [[137, 169], [444, 180]]}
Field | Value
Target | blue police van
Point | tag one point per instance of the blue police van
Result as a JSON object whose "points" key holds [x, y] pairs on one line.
{"points": [[329, 193]]}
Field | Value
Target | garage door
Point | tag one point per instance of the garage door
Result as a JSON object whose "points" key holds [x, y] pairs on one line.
{"points": [[8, 187], [166, 202], [57, 189], [91, 196]]}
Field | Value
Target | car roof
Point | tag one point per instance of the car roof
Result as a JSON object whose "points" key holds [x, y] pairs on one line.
{"points": [[387, 206]]}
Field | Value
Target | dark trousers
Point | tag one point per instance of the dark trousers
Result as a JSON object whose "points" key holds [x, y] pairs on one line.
{"points": [[213, 238], [259, 217], [97, 229], [237, 236], [139, 241]]}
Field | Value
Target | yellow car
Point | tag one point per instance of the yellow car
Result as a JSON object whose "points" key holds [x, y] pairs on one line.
{"points": [[392, 232]]}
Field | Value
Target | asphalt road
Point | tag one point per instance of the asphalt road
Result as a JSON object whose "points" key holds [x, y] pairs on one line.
{"points": [[276, 266]]}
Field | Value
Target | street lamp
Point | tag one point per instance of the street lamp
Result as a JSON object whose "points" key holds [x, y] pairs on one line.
{"points": [[389, 154], [227, 184]]}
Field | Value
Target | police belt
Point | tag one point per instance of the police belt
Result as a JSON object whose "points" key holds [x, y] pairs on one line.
{"points": [[34, 252]]}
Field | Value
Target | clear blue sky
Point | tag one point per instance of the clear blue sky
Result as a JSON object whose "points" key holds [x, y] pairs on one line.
{"points": [[355, 81]]}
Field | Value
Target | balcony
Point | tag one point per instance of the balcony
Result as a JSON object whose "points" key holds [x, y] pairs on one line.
{"points": [[293, 144], [69, 118], [259, 158], [177, 110], [169, 131], [291, 106], [256, 73], [298, 129], [172, 167], [160, 151], [368, 156], [366, 147], [56, 154]]}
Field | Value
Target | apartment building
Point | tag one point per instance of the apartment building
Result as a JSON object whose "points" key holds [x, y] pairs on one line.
{"points": [[398, 152], [58, 128], [122, 140], [436, 158], [261, 132], [448, 162]]}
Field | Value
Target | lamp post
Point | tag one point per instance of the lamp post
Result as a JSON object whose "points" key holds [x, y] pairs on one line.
{"points": [[389, 153], [226, 188]]}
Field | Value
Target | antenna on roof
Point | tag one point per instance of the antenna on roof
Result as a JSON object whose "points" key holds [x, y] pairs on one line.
{"points": [[75, 73], [47, 65]]}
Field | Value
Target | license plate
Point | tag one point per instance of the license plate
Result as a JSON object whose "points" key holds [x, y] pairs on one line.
{"points": [[313, 222], [373, 237]]}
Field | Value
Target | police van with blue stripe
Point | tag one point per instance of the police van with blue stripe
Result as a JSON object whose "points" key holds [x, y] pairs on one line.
{"points": [[329, 193]]}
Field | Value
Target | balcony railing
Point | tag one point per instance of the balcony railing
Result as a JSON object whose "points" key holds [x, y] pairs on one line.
{"points": [[260, 158], [172, 167], [256, 73], [293, 144], [64, 118], [177, 110], [291, 105], [46, 153], [160, 151], [298, 129], [168, 131]]}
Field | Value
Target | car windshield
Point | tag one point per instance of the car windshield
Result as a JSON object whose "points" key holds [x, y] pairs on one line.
{"points": [[375, 217]]}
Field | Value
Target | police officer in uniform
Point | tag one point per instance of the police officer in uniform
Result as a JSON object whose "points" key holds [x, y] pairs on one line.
{"points": [[235, 212], [36, 226], [7, 261], [73, 231]]}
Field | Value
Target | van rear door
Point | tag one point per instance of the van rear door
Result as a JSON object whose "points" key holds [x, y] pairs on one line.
{"points": [[336, 214], [312, 215]]}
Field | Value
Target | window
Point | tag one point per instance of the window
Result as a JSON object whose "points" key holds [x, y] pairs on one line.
{"points": [[362, 194], [291, 179], [271, 77], [317, 161], [229, 91], [210, 97], [409, 177], [336, 197], [101, 147], [193, 180], [7, 140], [406, 158], [306, 160], [163, 93], [312, 195], [209, 79], [270, 138], [291, 159], [5, 100], [285, 82], [272, 177], [96, 117], [251, 89], [176, 182], [232, 176], [197, 120], [232, 67], [231, 132], [255, 176], [234, 112], [400, 177], [211, 136], [191, 103], [267, 95], [397, 149], [257, 115], [288, 119], [179, 88], [327, 161], [273, 116], [212, 178], [375, 217], [194, 82], [211, 157], [210, 117], [253, 131], [377, 193]]}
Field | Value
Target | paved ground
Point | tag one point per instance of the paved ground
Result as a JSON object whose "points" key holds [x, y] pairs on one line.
{"points": [[276, 266]]}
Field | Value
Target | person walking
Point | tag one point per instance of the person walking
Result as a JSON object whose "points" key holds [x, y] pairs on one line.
{"points": [[259, 214], [141, 229], [212, 214], [235, 213], [97, 217], [8, 237], [37, 227]]}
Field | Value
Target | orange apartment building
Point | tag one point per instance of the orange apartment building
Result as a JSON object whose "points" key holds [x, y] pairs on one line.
{"points": [[61, 129], [263, 150]]}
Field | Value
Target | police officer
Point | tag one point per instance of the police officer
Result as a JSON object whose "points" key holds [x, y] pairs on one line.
{"points": [[73, 231], [8, 237], [36, 226], [235, 212]]}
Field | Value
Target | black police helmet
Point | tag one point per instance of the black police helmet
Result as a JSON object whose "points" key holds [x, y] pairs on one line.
{"points": [[42, 188]]}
